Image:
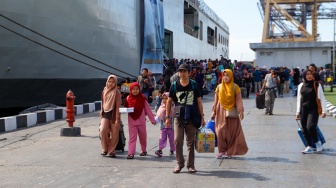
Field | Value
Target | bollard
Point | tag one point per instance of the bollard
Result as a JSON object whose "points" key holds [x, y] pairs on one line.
{"points": [[70, 116]]}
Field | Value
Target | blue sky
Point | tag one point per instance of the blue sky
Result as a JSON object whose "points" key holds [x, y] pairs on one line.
{"points": [[246, 25]]}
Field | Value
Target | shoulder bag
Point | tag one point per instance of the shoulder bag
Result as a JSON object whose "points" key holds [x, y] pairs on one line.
{"points": [[234, 112], [318, 102]]}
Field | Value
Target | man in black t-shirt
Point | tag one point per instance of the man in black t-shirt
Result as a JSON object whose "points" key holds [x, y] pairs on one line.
{"points": [[184, 93]]}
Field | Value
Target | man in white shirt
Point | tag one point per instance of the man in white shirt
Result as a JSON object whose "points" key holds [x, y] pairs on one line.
{"points": [[270, 86]]}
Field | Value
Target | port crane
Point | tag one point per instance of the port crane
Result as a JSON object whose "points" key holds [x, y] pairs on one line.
{"points": [[275, 13]]}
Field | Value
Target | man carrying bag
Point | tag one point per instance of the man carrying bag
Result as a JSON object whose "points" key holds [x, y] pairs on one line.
{"points": [[186, 96]]}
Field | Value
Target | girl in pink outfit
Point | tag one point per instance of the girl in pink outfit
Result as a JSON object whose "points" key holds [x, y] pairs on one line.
{"points": [[137, 120], [166, 131]]}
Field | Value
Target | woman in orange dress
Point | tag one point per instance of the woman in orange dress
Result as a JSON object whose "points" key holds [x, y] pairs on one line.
{"points": [[230, 136]]}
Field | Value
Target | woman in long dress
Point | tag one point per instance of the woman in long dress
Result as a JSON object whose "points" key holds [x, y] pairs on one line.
{"points": [[110, 117], [230, 136]]}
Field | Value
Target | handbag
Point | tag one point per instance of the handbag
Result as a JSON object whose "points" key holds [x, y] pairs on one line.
{"points": [[318, 102], [232, 113]]}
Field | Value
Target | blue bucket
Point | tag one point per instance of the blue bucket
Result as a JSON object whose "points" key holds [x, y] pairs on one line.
{"points": [[211, 125]]}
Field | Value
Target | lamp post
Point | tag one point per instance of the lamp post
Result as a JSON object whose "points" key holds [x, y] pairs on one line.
{"points": [[333, 57]]}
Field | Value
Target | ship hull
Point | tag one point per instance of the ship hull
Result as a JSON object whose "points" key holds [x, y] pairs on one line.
{"points": [[97, 38], [32, 92]]}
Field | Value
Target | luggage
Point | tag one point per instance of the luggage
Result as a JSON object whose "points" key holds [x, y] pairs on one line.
{"points": [[319, 135], [243, 92], [260, 100], [122, 139], [121, 143]]}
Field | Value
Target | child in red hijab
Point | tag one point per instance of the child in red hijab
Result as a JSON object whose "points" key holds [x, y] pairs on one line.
{"points": [[137, 120]]}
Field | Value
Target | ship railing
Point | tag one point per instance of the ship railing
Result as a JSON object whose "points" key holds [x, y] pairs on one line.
{"points": [[191, 31]]}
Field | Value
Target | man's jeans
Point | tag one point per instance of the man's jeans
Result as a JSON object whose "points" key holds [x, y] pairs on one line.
{"points": [[269, 100]]}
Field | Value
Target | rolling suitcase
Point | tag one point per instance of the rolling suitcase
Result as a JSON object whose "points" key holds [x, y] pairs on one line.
{"points": [[319, 135], [260, 100], [121, 143]]}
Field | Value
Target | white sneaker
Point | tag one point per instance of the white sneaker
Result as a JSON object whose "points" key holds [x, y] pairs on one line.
{"points": [[319, 147], [308, 150]]}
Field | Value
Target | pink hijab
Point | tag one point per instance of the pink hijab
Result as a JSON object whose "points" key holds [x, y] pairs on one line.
{"points": [[162, 109], [109, 95]]}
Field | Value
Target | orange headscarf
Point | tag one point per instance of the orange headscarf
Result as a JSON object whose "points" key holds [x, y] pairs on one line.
{"points": [[109, 95], [227, 97]]}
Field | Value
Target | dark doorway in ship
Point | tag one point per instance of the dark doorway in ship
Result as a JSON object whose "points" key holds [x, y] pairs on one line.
{"points": [[168, 45]]}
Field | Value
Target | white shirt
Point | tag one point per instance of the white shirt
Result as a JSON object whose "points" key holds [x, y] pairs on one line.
{"points": [[270, 81]]}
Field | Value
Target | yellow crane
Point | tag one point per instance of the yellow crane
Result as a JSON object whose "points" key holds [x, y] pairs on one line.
{"points": [[306, 36]]}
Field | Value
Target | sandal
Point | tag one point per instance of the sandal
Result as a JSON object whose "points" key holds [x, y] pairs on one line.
{"points": [[103, 153], [130, 156], [220, 155], [144, 153], [192, 170], [227, 156], [112, 155], [177, 169]]}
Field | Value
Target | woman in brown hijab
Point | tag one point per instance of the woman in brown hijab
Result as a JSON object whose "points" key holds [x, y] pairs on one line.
{"points": [[230, 136], [110, 122]]}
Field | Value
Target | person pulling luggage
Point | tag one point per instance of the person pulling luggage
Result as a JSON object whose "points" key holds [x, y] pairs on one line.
{"points": [[270, 87]]}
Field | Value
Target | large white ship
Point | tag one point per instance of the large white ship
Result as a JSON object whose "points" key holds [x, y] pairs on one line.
{"points": [[48, 47]]}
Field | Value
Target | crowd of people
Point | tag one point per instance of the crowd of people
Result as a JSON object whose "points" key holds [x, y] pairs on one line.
{"points": [[179, 109], [248, 76]]}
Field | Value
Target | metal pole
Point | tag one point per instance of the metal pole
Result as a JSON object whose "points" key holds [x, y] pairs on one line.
{"points": [[333, 56]]}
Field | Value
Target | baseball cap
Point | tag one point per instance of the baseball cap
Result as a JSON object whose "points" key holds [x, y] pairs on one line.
{"points": [[184, 67]]}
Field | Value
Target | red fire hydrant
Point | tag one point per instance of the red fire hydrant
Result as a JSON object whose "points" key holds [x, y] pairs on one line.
{"points": [[70, 110]]}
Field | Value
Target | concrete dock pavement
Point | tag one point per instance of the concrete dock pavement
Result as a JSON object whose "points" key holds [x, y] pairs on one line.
{"points": [[39, 157]]}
